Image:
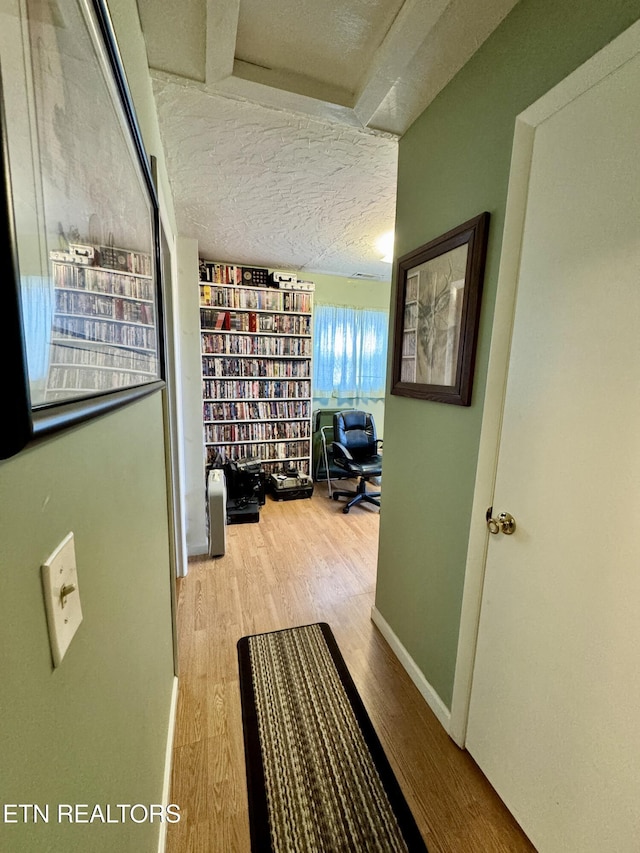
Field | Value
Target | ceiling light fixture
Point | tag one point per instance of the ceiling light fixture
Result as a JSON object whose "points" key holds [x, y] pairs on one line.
{"points": [[384, 244]]}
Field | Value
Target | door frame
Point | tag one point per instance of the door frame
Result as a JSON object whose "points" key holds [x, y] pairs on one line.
{"points": [[620, 51], [171, 411]]}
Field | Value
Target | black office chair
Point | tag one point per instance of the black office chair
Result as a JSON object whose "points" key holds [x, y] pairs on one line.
{"points": [[356, 451], [324, 467]]}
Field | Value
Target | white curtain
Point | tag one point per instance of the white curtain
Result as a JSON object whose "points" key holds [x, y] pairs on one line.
{"points": [[349, 352], [37, 298]]}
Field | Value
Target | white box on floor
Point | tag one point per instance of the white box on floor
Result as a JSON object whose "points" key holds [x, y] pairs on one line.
{"points": [[217, 512]]}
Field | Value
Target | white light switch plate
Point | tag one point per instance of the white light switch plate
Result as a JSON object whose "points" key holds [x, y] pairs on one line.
{"points": [[64, 614]]}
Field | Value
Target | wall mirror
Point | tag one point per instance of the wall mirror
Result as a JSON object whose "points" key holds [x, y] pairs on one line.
{"points": [[79, 223]]}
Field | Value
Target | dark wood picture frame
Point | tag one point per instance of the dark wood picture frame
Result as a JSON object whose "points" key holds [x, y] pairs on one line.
{"points": [[105, 189], [438, 295]]}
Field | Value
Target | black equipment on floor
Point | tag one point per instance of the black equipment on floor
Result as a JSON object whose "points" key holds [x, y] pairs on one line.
{"points": [[290, 485], [245, 490], [243, 510]]}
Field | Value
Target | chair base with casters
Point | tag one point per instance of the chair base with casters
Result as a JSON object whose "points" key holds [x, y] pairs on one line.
{"points": [[360, 494], [356, 454]]}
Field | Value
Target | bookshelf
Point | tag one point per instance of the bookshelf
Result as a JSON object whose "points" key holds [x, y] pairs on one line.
{"points": [[104, 322], [256, 350]]}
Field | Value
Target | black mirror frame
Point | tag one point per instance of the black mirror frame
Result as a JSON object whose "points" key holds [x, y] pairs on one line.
{"points": [[23, 423]]}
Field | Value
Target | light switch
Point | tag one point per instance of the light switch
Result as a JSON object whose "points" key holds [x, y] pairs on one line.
{"points": [[62, 597]]}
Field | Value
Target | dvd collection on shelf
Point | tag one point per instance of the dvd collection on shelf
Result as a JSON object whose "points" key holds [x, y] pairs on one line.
{"points": [[256, 352], [97, 304], [103, 330], [63, 378], [255, 410], [256, 431], [255, 389], [247, 344], [252, 321], [273, 456], [220, 273], [66, 274], [257, 300], [124, 359], [254, 367], [75, 331]]}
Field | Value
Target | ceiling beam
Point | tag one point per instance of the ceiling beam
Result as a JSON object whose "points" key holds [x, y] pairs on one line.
{"points": [[289, 81], [411, 27], [268, 97], [222, 31], [268, 89]]}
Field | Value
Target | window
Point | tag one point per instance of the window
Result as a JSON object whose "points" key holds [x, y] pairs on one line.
{"points": [[349, 352]]}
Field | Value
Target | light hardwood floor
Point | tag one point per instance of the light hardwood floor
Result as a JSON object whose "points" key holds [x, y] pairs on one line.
{"points": [[303, 562]]}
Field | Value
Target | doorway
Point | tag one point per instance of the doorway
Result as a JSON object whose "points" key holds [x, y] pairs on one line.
{"points": [[552, 690]]}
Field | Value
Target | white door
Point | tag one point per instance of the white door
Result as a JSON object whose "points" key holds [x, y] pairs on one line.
{"points": [[554, 717]]}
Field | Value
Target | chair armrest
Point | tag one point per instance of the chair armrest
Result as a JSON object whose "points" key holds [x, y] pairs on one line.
{"points": [[342, 450]]}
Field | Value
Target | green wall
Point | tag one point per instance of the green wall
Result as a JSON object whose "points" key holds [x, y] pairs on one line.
{"points": [[337, 290], [94, 730], [454, 163]]}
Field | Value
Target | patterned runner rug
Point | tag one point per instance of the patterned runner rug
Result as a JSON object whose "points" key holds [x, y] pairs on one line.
{"points": [[317, 777]]}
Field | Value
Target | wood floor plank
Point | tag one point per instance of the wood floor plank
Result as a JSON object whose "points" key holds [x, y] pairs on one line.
{"points": [[303, 562]]}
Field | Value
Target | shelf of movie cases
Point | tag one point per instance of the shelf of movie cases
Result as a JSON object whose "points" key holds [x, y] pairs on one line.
{"points": [[256, 374], [103, 335]]}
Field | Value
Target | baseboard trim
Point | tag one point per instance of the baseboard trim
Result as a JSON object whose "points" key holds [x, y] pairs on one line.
{"points": [[168, 762], [443, 714]]}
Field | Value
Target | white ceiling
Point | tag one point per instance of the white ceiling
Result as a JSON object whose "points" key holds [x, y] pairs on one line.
{"points": [[280, 119]]}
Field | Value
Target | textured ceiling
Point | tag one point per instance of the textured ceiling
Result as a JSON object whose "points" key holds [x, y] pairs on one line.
{"points": [[265, 186], [280, 120]]}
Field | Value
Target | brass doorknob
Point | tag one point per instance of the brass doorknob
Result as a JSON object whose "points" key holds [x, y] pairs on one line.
{"points": [[504, 523]]}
